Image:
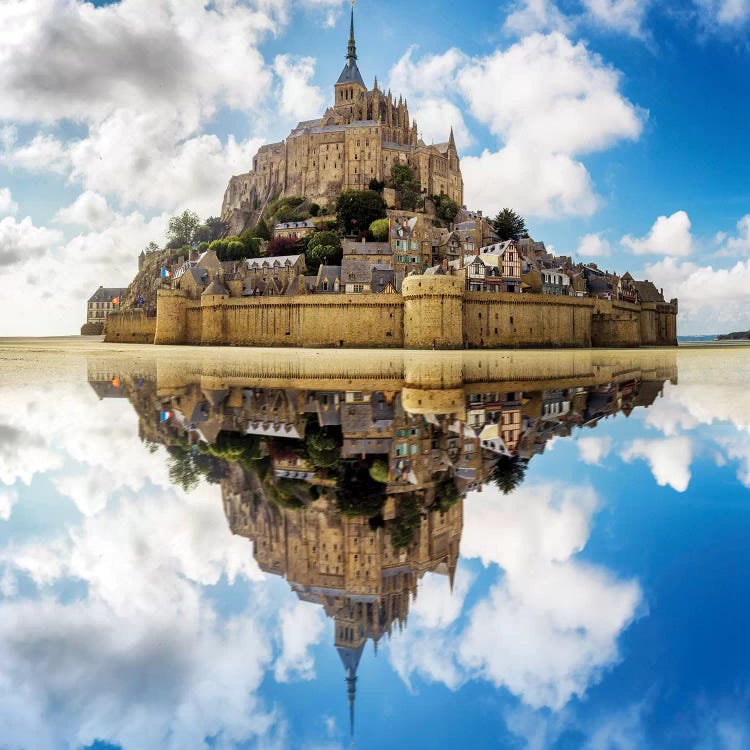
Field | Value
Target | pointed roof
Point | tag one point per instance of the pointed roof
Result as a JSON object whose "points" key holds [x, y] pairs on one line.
{"points": [[350, 659], [216, 287], [350, 73]]}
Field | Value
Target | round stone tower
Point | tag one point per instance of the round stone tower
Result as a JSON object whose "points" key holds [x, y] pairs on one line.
{"points": [[171, 316], [433, 312], [213, 300]]}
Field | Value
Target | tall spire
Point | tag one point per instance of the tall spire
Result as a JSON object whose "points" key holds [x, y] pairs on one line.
{"points": [[351, 53], [350, 73]]}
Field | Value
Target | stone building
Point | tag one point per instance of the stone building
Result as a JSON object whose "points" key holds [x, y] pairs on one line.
{"points": [[356, 140], [101, 303]]}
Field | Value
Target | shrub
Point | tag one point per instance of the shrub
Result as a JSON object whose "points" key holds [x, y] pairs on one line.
{"points": [[379, 230]]}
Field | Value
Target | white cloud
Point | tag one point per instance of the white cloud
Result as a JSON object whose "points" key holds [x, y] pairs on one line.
{"points": [[297, 98], [738, 245], [110, 258], [593, 449], [594, 245], [302, 625], [529, 16], [724, 13], [669, 459], [8, 498], [711, 300], [89, 209], [619, 15], [7, 205], [553, 101], [424, 83], [44, 153], [623, 16], [548, 627], [21, 241], [670, 235]]}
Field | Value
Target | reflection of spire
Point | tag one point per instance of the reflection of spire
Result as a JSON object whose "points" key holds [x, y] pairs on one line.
{"points": [[350, 659]]}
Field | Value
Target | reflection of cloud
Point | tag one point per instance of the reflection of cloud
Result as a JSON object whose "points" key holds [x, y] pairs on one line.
{"points": [[549, 626], [8, 498], [302, 625], [142, 657], [593, 449], [22, 455], [669, 459]]}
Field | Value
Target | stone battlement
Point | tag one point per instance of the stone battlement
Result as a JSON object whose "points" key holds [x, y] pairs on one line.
{"points": [[433, 312]]}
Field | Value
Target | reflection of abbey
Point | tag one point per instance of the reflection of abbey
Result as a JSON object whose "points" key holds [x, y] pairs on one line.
{"points": [[350, 481], [356, 140]]}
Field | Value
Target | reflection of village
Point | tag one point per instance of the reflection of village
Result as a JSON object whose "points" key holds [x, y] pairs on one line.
{"points": [[349, 494]]}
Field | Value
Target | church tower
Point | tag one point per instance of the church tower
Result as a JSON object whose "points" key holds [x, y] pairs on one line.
{"points": [[350, 85]]}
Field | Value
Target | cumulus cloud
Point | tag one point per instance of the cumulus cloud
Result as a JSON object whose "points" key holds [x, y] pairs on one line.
{"points": [[89, 209], [626, 16], [302, 625], [739, 245], [593, 449], [8, 498], [21, 241], [594, 245], [142, 658], [554, 101], [548, 627], [711, 299], [724, 13], [110, 254], [7, 205], [669, 459], [670, 235], [622, 16], [43, 153], [297, 98], [424, 83], [528, 16]]}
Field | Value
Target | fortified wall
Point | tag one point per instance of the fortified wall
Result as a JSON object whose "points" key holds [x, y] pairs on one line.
{"points": [[433, 312]]}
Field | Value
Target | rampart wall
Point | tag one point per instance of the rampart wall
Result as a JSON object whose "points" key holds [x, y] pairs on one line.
{"points": [[433, 312], [130, 327]]}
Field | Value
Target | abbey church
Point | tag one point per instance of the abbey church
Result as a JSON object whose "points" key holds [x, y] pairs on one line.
{"points": [[358, 139]]}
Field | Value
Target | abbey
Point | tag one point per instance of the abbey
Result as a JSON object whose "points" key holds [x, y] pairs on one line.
{"points": [[358, 139]]}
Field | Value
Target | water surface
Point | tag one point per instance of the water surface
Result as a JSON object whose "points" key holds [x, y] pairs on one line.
{"points": [[278, 549]]}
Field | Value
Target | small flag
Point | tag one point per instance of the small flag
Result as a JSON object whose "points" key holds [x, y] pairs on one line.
{"points": [[116, 301], [165, 415], [116, 382], [139, 301], [165, 273]]}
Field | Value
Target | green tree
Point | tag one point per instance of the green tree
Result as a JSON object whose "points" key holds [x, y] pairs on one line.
{"points": [[508, 473], [379, 471], [181, 229], [404, 528], [261, 230], [377, 186], [509, 225], [407, 185], [357, 209], [446, 207], [314, 209], [358, 494], [379, 230], [323, 247]]}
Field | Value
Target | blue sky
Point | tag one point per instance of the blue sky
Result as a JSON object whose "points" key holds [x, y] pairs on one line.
{"points": [[601, 605], [616, 127]]}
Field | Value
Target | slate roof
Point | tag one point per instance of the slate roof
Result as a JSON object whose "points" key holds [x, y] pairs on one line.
{"points": [[107, 294], [351, 74], [366, 248], [356, 271], [598, 284], [279, 260], [382, 276], [216, 287], [307, 224], [648, 292], [200, 275]]}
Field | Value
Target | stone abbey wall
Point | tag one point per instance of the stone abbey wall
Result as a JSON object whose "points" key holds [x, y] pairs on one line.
{"points": [[130, 327], [432, 312]]}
